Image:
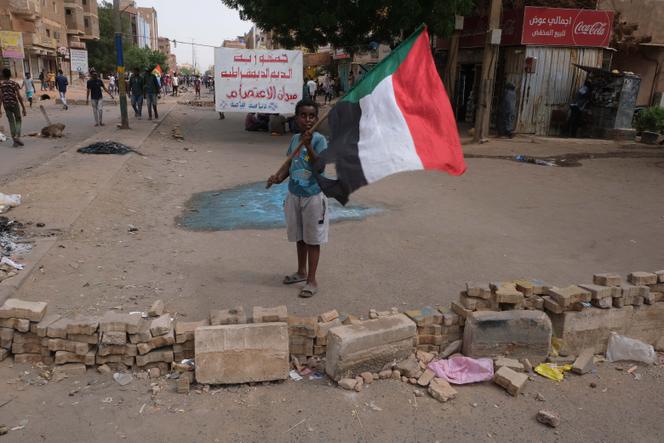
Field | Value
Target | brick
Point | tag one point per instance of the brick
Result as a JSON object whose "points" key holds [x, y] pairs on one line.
{"points": [[518, 334], [29, 310], [511, 363], [328, 316], [473, 303], [58, 344], [426, 377], [430, 330], [531, 287], [82, 325], [242, 353], [26, 348], [143, 333], [270, 315], [589, 328], [157, 356], [161, 325], [58, 329], [184, 331], [451, 348], [584, 362], [27, 338], [607, 279], [441, 390], [134, 323], [436, 340], [183, 385], [603, 303], [131, 350], [106, 350], [642, 278], [425, 316], [629, 290], [534, 302], [113, 338], [507, 293], [568, 296], [156, 342], [31, 359], [598, 292], [6, 338], [73, 369], [324, 328], [42, 326], [303, 326], [62, 357], [512, 381], [548, 418], [369, 345], [450, 319], [232, 316], [480, 290], [90, 339], [113, 321], [552, 306], [157, 309], [19, 324]]}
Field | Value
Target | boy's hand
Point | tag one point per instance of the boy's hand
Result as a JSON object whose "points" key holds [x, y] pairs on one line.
{"points": [[306, 138]]}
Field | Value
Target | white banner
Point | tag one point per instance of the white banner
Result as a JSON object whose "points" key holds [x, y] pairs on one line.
{"points": [[262, 81], [79, 60]]}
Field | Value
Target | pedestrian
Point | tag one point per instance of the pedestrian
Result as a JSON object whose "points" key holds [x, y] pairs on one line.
{"points": [[306, 207], [507, 112], [10, 99], [150, 91], [327, 88], [111, 83], [136, 86], [311, 85], [577, 109], [29, 86], [42, 81], [197, 86], [176, 83], [61, 83], [94, 92], [51, 81]]}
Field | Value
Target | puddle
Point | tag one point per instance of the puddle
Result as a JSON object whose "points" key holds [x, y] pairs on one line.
{"points": [[251, 206]]}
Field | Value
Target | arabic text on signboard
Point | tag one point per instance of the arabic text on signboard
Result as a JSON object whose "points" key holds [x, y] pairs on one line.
{"points": [[11, 44], [257, 80], [79, 60], [566, 27]]}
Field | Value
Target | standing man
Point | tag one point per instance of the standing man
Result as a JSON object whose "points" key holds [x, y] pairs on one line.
{"points": [[136, 85], [29, 86], [10, 98], [95, 87], [61, 83], [312, 86], [42, 80], [176, 83], [150, 91], [197, 86]]}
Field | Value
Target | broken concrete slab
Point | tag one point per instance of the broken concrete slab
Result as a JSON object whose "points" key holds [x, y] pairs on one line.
{"points": [[511, 363], [441, 390], [242, 353], [584, 363], [369, 345], [161, 325], [518, 334], [480, 290], [157, 309], [30, 310], [270, 315], [512, 381]]}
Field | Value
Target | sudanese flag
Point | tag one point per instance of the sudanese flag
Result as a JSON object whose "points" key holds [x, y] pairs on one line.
{"points": [[396, 118]]}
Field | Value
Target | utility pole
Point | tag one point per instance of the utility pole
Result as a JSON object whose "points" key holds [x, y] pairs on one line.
{"points": [[450, 71], [124, 122], [488, 78]]}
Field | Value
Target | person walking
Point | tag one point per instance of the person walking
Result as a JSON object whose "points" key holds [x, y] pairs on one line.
{"points": [[197, 86], [94, 91], [61, 83], [42, 80], [111, 83], [136, 86], [150, 91], [10, 98], [176, 83], [29, 86]]}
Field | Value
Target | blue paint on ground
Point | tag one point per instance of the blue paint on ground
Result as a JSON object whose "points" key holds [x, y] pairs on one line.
{"points": [[251, 206]]}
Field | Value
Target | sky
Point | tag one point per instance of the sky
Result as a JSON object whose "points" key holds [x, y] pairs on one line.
{"points": [[206, 21]]}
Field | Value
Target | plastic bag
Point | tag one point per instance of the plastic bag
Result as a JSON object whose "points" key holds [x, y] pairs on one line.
{"points": [[552, 371], [625, 348], [463, 370]]}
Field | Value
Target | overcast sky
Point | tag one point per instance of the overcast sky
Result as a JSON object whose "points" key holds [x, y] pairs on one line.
{"points": [[206, 21]]}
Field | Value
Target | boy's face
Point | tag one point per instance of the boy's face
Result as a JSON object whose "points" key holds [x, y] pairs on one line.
{"points": [[306, 117]]}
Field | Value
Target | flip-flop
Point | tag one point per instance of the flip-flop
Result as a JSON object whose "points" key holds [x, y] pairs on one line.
{"points": [[294, 278], [308, 291]]}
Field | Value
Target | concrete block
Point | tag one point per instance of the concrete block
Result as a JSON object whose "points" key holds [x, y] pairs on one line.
{"points": [[642, 278], [303, 326], [568, 296], [58, 344], [42, 326], [157, 356], [157, 309], [584, 362], [512, 381], [450, 319], [6, 338], [518, 334], [242, 353], [441, 390], [26, 348], [114, 338], [62, 357], [234, 316], [426, 378], [425, 316], [511, 363], [30, 359], [459, 310], [531, 287], [473, 303], [480, 290], [58, 329], [506, 293], [30, 310], [82, 325], [646, 323], [4, 353], [156, 342], [90, 339], [603, 303], [184, 331], [369, 345], [660, 276], [134, 323], [113, 321], [19, 324], [161, 325], [106, 350], [607, 279], [598, 292], [270, 315]]}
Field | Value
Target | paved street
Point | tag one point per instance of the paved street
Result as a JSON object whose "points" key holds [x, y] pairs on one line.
{"points": [[502, 220]]}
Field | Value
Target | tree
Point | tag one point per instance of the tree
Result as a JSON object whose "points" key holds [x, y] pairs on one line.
{"points": [[349, 24], [142, 58]]}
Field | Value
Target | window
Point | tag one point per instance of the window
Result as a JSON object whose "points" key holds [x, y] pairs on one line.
{"points": [[86, 22], [85, 2], [67, 11], [56, 35], [48, 33]]}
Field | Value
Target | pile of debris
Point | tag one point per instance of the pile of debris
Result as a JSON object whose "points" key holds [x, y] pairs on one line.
{"points": [[11, 245]]}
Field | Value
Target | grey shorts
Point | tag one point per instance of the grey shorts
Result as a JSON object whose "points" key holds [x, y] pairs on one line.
{"points": [[307, 218]]}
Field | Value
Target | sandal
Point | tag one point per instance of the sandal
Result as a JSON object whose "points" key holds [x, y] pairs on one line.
{"points": [[308, 291], [294, 278]]}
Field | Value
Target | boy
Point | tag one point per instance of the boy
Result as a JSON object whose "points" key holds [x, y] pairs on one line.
{"points": [[150, 91], [29, 86], [10, 98], [136, 86], [95, 86], [61, 84], [306, 208]]}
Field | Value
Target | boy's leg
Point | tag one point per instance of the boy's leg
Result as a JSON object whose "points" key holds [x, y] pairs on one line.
{"points": [[302, 249], [100, 108], [313, 255], [95, 113]]}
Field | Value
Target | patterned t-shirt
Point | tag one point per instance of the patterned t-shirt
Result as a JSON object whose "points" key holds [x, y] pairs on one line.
{"points": [[302, 181], [9, 92]]}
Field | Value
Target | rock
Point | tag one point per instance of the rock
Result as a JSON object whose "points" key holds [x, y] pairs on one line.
{"points": [[548, 418], [359, 383], [104, 369], [584, 362], [396, 374], [539, 397], [511, 363], [270, 315], [404, 379], [426, 378], [452, 348], [367, 377], [479, 290], [517, 333], [114, 338], [441, 390], [424, 357], [568, 296], [160, 355], [242, 353], [329, 316], [183, 385], [410, 367], [28, 310], [157, 309], [510, 380], [347, 383]]}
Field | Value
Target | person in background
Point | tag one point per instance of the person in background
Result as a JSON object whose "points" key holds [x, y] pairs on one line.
{"points": [[42, 80], [135, 91], [10, 98], [94, 91], [61, 84], [150, 92], [313, 87], [29, 86], [111, 83], [176, 83], [197, 86], [577, 109], [507, 112]]}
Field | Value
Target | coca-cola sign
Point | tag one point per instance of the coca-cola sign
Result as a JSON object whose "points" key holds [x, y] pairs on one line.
{"points": [[566, 27]]}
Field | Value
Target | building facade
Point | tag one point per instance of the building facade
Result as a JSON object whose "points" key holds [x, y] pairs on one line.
{"points": [[48, 28], [165, 48]]}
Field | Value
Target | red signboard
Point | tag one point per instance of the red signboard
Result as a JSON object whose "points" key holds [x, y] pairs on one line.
{"points": [[566, 27]]}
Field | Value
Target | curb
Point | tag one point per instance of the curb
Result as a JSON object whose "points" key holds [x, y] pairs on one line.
{"points": [[43, 246]]}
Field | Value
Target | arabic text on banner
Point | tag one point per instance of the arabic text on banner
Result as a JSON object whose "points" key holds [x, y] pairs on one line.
{"points": [[257, 80]]}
